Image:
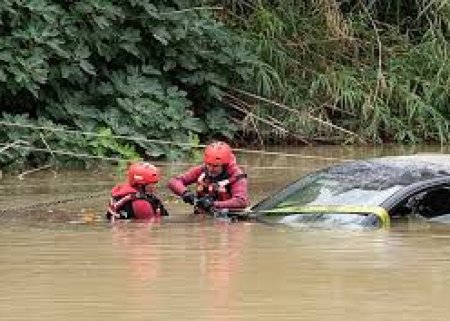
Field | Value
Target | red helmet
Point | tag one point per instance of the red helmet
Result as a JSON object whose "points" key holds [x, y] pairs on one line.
{"points": [[218, 153], [143, 173]]}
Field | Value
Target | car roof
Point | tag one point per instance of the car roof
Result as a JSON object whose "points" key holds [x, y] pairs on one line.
{"points": [[390, 170], [422, 160], [419, 162]]}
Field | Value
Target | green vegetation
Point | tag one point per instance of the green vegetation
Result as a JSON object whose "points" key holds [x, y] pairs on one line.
{"points": [[122, 75], [351, 71], [139, 69]]}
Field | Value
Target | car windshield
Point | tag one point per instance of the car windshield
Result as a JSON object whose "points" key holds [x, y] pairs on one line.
{"points": [[359, 183], [325, 190]]}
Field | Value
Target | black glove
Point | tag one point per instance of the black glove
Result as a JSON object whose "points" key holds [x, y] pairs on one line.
{"points": [[188, 197], [205, 203]]}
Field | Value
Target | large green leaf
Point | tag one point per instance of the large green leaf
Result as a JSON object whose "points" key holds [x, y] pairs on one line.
{"points": [[133, 68]]}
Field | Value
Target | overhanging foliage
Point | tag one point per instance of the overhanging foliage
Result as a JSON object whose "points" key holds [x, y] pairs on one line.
{"points": [[142, 69]]}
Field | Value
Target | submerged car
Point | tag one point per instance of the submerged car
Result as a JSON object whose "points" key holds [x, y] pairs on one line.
{"points": [[370, 192]]}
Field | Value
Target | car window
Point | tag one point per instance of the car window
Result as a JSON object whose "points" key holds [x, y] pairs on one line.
{"points": [[327, 194], [325, 191], [431, 204]]}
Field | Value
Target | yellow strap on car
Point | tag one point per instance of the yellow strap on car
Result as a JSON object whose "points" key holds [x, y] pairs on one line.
{"points": [[380, 212]]}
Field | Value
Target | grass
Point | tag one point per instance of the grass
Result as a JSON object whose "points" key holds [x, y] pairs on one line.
{"points": [[375, 70]]}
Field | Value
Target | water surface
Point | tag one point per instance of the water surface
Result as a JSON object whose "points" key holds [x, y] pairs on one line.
{"points": [[54, 268]]}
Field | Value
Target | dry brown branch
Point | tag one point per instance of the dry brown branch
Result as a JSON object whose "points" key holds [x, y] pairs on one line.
{"points": [[46, 145], [50, 150], [191, 9], [294, 111], [258, 134], [21, 176], [271, 123], [263, 120], [341, 110], [240, 123], [11, 145], [251, 120]]}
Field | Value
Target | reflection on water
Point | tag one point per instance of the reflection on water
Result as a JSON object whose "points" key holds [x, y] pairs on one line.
{"points": [[52, 270], [222, 272]]}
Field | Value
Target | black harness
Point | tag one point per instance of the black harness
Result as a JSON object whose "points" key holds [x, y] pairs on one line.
{"points": [[122, 208]]}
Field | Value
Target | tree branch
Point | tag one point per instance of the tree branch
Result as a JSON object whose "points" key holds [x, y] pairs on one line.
{"points": [[294, 111]]}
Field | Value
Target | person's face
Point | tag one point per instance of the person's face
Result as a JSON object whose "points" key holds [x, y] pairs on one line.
{"points": [[214, 169], [150, 188]]}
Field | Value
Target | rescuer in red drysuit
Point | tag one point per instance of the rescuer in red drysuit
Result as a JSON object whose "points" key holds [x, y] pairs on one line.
{"points": [[221, 183], [135, 199]]}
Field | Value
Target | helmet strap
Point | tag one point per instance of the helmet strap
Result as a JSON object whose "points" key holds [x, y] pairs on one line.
{"points": [[141, 189], [221, 176]]}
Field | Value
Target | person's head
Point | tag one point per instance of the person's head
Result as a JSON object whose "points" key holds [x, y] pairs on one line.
{"points": [[217, 157], [143, 174]]}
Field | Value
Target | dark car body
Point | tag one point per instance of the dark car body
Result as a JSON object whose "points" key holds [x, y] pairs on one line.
{"points": [[388, 187]]}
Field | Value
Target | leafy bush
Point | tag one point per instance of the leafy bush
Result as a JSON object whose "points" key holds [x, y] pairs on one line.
{"points": [[146, 70]]}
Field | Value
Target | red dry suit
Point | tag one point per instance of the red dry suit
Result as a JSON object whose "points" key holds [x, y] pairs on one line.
{"points": [[127, 202], [229, 189]]}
